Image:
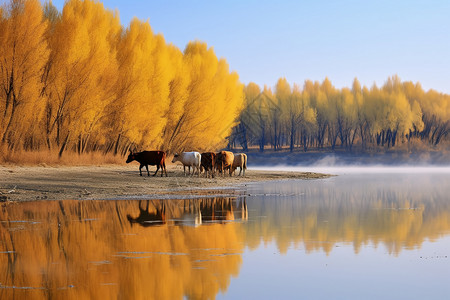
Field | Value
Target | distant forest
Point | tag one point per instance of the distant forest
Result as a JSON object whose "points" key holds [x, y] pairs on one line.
{"points": [[77, 80], [397, 114]]}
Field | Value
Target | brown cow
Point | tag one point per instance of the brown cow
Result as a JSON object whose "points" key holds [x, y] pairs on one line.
{"points": [[208, 163], [151, 158], [240, 160], [224, 160]]}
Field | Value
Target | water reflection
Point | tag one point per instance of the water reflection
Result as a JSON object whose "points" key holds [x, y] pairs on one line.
{"points": [[170, 249], [399, 211], [94, 250]]}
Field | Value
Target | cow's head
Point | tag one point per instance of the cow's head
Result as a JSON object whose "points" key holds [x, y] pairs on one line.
{"points": [[131, 157], [176, 157]]}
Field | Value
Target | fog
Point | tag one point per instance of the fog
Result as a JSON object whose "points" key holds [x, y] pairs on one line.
{"points": [[339, 170], [344, 163]]}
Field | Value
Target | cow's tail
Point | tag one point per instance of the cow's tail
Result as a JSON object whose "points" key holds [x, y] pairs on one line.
{"points": [[245, 162]]}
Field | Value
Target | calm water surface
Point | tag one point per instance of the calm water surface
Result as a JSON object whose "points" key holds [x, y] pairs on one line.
{"points": [[355, 236]]}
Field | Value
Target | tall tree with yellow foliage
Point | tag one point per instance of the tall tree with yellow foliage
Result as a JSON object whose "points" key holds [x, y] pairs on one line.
{"points": [[83, 72], [215, 99], [178, 96], [23, 55], [138, 113]]}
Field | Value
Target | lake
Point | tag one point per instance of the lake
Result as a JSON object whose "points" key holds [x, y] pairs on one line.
{"points": [[364, 234]]}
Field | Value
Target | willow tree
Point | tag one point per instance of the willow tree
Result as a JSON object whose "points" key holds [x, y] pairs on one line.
{"points": [[435, 107], [215, 99], [307, 116], [249, 127], [139, 111], [23, 55], [84, 72], [178, 96], [347, 116], [282, 114]]}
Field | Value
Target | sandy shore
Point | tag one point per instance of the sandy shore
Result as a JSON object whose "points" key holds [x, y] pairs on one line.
{"points": [[26, 183]]}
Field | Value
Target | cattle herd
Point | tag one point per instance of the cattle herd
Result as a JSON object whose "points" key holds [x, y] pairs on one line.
{"points": [[209, 162]]}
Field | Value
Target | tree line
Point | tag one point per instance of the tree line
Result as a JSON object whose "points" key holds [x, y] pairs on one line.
{"points": [[77, 79], [321, 116]]}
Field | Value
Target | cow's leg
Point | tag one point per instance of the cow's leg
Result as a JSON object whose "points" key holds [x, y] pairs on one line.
{"points": [[157, 168], [240, 170], [184, 170], [140, 171], [165, 170]]}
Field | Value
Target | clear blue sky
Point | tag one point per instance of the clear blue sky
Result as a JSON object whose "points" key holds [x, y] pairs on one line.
{"points": [[265, 40]]}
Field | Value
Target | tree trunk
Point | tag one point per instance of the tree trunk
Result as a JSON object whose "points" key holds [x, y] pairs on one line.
{"points": [[13, 110], [63, 146]]}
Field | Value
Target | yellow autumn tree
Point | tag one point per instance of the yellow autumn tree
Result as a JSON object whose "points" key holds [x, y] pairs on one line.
{"points": [[178, 96], [83, 73], [215, 99], [347, 109], [138, 114], [248, 130], [23, 55]]}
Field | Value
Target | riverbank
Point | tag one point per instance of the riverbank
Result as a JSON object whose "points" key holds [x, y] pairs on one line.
{"points": [[27, 183]]}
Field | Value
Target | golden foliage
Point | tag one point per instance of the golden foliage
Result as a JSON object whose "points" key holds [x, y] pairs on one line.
{"points": [[321, 115], [78, 80], [23, 55]]}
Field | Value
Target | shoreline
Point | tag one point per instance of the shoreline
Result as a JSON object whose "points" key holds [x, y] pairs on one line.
{"points": [[116, 182]]}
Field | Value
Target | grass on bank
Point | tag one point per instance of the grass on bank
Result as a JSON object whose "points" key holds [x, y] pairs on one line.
{"points": [[48, 157]]}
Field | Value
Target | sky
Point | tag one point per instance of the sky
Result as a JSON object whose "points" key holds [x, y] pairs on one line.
{"points": [[299, 40]]}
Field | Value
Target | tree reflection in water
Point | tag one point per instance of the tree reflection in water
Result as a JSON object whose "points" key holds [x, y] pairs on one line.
{"points": [[93, 250]]}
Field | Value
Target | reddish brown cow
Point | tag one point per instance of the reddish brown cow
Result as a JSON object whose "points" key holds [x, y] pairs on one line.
{"points": [[152, 158], [224, 160], [208, 163]]}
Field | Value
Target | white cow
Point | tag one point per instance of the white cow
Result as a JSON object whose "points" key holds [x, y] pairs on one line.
{"points": [[189, 159], [240, 160]]}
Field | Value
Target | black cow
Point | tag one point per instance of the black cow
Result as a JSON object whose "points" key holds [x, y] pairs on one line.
{"points": [[152, 158], [208, 163]]}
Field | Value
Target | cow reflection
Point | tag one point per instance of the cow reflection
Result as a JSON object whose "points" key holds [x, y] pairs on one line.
{"points": [[192, 212], [146, 218], [223, 209], [242, 207]]}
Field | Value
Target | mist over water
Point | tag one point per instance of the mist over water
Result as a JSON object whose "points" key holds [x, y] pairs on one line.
{"points": [[349, 163], [354, 169], [339, 164]]}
